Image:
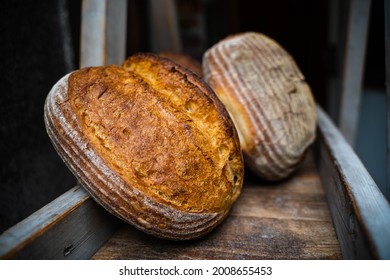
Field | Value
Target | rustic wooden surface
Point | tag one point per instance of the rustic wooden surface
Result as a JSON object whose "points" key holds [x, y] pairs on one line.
{"points": [[72, 226], [360, 212], [288, 220]]}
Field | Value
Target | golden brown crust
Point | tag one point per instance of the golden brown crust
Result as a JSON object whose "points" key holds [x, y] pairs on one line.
{"points": [[199, 132], [151, 143], [268, 99], [184, 60]]}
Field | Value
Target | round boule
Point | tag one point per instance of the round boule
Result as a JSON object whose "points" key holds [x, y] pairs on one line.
{"points": [[151, 142], [268, 99]]}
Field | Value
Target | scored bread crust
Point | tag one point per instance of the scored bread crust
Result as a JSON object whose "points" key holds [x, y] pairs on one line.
{"points": [[268, 99], [155, 148]]}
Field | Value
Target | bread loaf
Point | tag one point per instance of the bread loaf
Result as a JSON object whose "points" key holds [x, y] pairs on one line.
{"points": [[184, 60], [151, 142], [268, 99]]}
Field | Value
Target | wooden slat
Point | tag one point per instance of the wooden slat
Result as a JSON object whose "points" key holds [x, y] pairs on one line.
{"points": [[287, 220], [387, 50], [70, 227], [360, 212], [164, 26], [116, 31], [103, 32], [352, 75], [93, 26]]}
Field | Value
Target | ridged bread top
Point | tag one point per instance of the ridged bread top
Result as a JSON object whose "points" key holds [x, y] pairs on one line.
{"points": [[268, 99], [157, 147]]}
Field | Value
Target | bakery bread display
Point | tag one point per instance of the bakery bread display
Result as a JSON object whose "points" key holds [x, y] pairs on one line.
{"points": [[184, 60], [268, 99], [151, 142]]}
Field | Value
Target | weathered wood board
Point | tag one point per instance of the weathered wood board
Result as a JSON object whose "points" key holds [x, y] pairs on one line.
{"points": [[287, 220], [360, 211], [72, 226]]}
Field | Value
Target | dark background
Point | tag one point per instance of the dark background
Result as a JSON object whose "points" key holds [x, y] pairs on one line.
{"points": [[40, 42]]}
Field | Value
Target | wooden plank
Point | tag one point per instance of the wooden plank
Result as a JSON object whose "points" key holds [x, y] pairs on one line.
{"points": [[70, 227], [116, 31], [352, 75], [103, 32], [361, 213], [350, 235], [164, 26], [93, 30], [286, 220], [387, 51]]}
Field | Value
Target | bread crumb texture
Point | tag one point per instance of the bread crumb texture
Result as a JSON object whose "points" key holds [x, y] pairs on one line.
{"points": [[162, 131]]}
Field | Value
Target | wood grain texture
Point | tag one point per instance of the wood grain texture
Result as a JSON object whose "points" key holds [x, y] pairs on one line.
{"points": [[103, 32], [285, 220], [72, 226], [93, 40], [288, 220], [360, 212]]}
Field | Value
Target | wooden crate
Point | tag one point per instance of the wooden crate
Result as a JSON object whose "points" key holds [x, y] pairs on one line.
{"points": [[329, 209]]}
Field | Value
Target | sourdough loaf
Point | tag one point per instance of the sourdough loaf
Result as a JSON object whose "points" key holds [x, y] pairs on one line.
{"points": [[151, 142], [268, 99]]}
